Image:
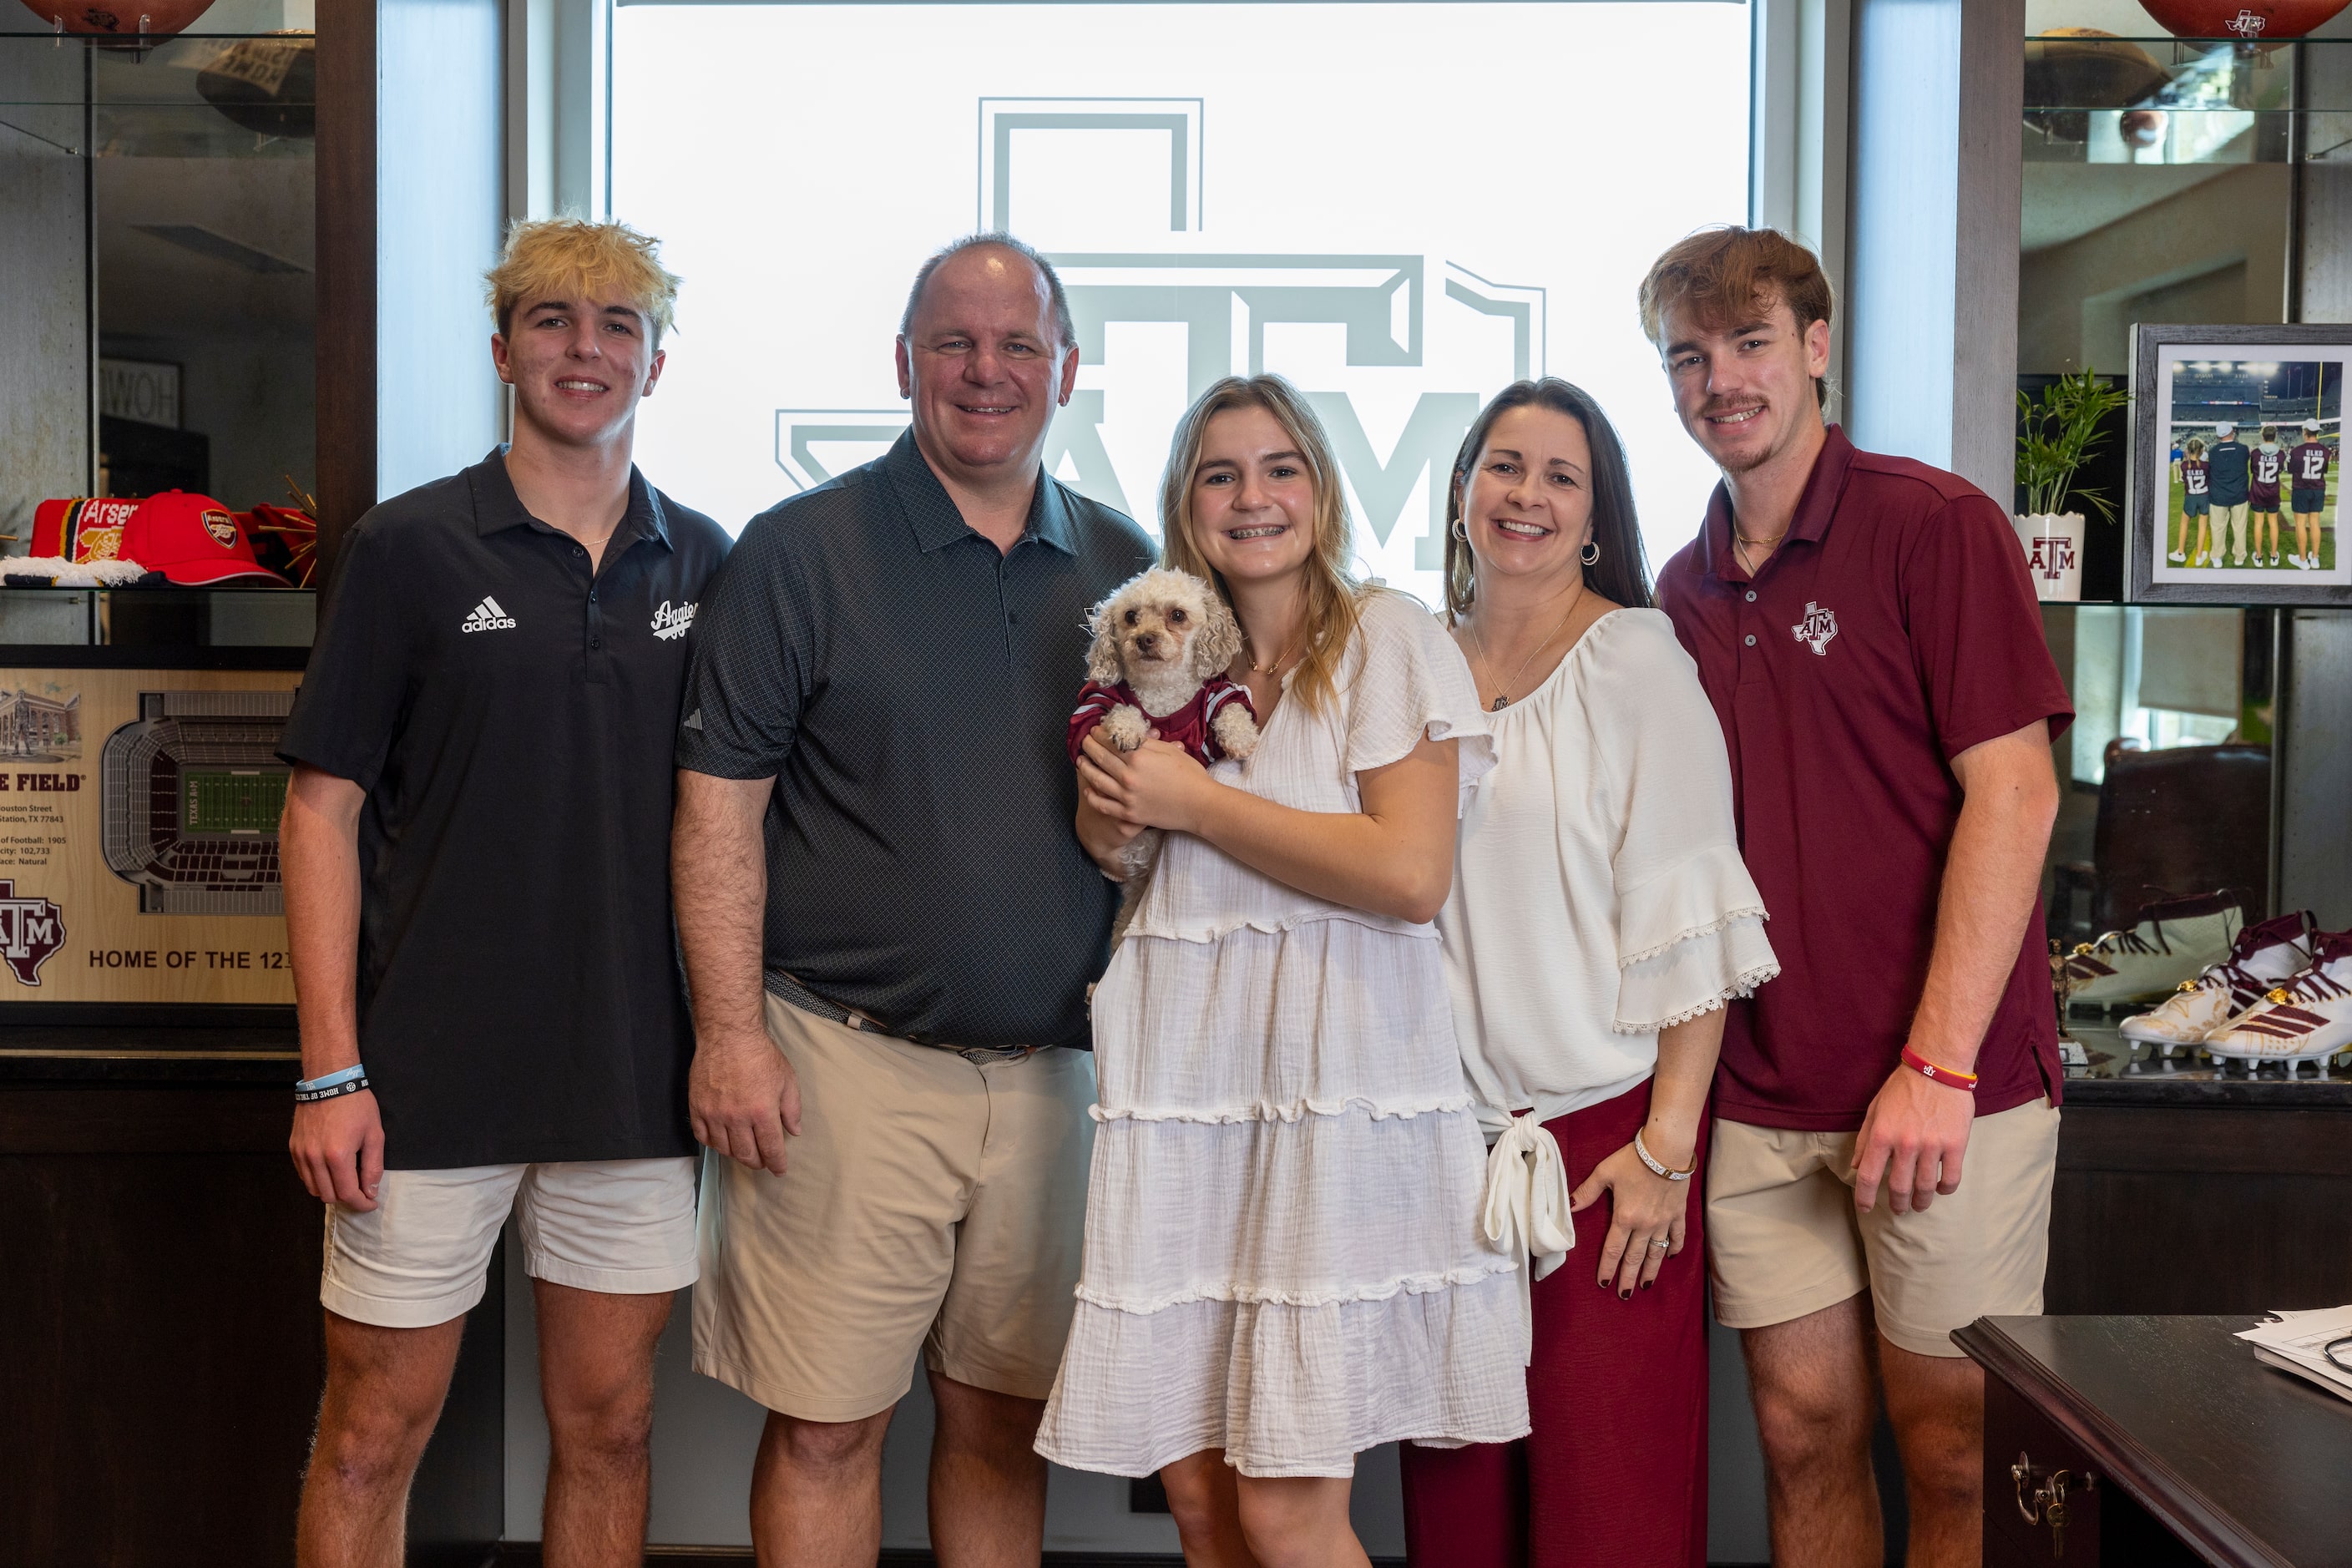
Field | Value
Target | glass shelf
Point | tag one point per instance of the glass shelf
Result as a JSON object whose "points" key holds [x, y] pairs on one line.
{"points": [[2158, 101], [217, 96], [165, 619]]}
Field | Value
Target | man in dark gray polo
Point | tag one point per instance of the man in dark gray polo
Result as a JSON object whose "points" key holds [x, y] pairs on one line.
{"points": [[889, 991]]}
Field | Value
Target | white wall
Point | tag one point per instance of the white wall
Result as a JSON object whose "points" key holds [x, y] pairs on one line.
{"points": [[441, 201]]}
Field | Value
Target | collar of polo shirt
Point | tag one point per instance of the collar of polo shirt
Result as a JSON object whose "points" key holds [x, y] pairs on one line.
{"points": [[1815, 508], [497, 506], [937, 523]]}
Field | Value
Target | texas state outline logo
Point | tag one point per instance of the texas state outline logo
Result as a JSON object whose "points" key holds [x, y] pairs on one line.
{"points": [[1817, 628], [30, 930]]}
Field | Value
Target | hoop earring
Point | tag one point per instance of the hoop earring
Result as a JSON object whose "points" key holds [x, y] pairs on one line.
{"points": [[1461, 531], [1590, 552]]}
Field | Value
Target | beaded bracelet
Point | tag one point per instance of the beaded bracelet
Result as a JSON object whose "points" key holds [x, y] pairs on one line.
{"points": [[1928, 1069]]}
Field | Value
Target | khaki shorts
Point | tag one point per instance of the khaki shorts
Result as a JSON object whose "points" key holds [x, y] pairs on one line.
{"points": [[1783, 1238], [929, 1204]]}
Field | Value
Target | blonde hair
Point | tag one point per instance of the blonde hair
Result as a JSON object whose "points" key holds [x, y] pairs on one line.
{"points": [[548, 258], [1334, 597]]}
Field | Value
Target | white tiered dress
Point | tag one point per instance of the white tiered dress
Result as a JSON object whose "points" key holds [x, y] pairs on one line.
{"points": [[1284, 1256]]}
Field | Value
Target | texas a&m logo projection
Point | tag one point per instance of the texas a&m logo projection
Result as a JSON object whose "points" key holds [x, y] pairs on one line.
{"points": [[1459, 335]]}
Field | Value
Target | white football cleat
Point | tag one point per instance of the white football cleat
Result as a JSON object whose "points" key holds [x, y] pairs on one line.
{"points": [[2262, 958], [2173, 941], [2309, 1019]]}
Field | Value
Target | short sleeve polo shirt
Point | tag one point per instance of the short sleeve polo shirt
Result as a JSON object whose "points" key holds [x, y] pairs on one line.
{"points": [[1892, 629], [510, 715], [909, 686]]}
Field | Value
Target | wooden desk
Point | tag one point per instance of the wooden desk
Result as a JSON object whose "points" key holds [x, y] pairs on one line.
{"points": [[2195, 1451]]}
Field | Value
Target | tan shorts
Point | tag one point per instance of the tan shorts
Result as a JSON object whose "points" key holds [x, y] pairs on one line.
{"points": [[1783, 1238], [929, 1203]]}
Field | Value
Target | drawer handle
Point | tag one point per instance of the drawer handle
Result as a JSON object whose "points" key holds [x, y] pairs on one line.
{"points": [[2047, 1502]]}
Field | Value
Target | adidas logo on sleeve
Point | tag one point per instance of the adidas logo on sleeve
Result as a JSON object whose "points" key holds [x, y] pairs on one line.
{"points": [[486, 616]]}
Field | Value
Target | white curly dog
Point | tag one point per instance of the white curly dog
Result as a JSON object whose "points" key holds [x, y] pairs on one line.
{"points": [[1156, 670]]}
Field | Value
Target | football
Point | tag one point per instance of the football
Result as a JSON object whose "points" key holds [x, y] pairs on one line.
{"points": [[268, 86], [131, 19], [2248, 19]]}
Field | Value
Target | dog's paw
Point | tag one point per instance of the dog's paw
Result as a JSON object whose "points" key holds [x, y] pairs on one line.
{"points": [[1236, 731], [1124, 728]]}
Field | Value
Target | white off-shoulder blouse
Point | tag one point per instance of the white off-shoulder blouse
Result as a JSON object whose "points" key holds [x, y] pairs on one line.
{"points": [[1598, 897]]}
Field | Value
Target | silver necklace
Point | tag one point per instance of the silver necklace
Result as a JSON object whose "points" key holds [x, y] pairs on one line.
{"points": [[1502, 698]]}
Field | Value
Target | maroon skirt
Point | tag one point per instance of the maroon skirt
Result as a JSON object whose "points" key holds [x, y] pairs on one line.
{"points": [[1613, 1474]]}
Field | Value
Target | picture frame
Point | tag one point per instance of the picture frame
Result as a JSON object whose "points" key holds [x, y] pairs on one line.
{"points": [[2186, 381]]}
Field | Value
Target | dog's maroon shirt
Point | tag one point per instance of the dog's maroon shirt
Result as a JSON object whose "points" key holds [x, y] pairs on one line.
{"points": [[1187, 727]]}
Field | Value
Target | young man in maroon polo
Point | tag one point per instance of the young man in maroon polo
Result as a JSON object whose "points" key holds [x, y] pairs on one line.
{"points": [[1866, 630]]}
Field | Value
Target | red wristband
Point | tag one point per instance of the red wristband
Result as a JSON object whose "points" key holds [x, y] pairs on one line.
{"points": [[1928, 1069]]}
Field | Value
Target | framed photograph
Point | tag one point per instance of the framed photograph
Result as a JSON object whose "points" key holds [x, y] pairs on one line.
{"points": [[2236, 465]]}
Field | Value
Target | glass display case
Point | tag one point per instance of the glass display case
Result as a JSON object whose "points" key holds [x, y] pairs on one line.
{"points": [[2166, 180], [162, 199], [2183, 181]]}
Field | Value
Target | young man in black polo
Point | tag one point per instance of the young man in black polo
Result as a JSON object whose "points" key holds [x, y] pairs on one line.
{"points": [[476, 856]]}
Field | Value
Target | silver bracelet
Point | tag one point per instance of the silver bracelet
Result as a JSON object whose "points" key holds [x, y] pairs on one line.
{"points": [[1657, 1169]]}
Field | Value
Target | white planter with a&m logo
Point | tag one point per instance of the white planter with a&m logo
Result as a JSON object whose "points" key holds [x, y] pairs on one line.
{"points": [[2053, 553]]}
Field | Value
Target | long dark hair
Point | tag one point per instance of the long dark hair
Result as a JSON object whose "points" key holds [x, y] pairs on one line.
{"points": [[1622, 572]]}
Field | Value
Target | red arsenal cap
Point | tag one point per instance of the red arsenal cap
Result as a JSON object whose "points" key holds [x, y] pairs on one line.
{"points": [[192, 540]]}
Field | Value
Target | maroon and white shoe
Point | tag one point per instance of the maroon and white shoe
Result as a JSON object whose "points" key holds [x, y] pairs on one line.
{"points": [[2264, 957], [2309, 1019], [2175, 941]]}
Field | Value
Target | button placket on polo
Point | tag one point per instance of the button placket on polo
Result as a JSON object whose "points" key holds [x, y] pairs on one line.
{"points": [[1007, 616], [1750, 628]]}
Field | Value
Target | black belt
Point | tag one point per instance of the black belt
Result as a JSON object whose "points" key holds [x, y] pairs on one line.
{"points": [[786, 989]]}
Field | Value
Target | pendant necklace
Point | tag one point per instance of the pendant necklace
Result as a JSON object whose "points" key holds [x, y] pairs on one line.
{"points": [[1268, 669], [1502, 699]]}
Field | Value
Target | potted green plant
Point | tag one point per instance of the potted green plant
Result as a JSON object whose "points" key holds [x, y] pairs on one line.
{"points": [[2058, 431]]}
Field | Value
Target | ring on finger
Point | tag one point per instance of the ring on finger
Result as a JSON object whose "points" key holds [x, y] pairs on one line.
{"points": [[1659, 1244]]}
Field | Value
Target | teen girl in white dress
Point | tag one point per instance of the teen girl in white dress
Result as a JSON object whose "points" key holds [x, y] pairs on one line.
{"points": [[1285, 1263]]}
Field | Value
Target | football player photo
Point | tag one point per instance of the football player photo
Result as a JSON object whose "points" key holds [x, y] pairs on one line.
{"points": [[2238, 442]]}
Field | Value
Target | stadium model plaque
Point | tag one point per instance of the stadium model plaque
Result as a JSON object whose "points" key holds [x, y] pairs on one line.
{"points": [[2236, 470], [139, 835]]}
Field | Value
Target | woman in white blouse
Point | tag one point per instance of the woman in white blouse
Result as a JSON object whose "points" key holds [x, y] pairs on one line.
{"points": [[1600, 918], [1283, 1261]]}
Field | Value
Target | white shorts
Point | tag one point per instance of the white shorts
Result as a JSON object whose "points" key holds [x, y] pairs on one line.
{"points": [[421, 1257]]}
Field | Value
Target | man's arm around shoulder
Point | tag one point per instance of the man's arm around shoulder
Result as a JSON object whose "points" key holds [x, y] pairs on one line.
{"points": [[337, 1144], [742, 1093]]}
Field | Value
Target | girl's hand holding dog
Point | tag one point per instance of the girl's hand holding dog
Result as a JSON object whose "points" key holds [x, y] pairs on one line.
{"points": [[1156, 786], [1102, 834]]}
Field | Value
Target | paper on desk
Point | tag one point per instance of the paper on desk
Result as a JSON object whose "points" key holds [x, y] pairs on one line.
{"points": [[2297, 1343]]}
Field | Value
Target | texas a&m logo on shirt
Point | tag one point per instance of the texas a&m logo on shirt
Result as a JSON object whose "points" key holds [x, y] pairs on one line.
{"points": [[30, 930], [672, 623], [1817, 628]]}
